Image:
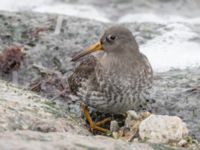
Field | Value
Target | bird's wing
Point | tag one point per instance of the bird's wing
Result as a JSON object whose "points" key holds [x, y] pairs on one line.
{"points": [[85, 71]]}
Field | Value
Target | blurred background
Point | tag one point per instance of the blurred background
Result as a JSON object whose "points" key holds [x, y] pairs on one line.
{"points": [[110, 10], [175, 45]]}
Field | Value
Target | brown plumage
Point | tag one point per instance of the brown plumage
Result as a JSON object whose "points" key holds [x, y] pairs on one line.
{"points": [[81, 73]]}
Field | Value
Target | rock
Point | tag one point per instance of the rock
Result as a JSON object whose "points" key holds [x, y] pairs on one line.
{"points": [[24, 110], [132, 114], [162, 129], [29, 121], [182, 143], [48, 126], [61, 141], [131, 117], [114, 126], [67, 141], [115, 135]]}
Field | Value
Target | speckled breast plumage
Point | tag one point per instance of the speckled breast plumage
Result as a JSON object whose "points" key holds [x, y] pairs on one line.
{"points": [[112, 92]]}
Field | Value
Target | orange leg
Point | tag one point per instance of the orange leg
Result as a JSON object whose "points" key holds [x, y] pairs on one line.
{"points": [[102, 122], [94, 126]]}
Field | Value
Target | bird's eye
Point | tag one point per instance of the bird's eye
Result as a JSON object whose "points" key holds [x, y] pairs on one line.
{"points": [[110, 38]]}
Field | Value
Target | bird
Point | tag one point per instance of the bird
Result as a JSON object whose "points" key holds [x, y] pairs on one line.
{"points": [[114, 82]]}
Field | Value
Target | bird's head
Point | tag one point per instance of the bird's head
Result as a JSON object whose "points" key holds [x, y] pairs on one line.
{"points": [[114, 40]]}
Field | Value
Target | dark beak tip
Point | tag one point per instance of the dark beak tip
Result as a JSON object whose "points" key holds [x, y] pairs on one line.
{"points": [[75, 57]]}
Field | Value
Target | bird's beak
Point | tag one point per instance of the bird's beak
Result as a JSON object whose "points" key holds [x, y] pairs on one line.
{"points": [[93, 48]]}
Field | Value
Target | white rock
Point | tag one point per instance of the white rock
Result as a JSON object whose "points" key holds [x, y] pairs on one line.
{"points": [[114, 126], [162, 129], [182, 142], [132, 114]]}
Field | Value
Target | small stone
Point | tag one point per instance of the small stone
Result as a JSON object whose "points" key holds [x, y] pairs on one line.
{"points": [[182, 143], [115, 135], [128, 122], [162, 129], [114, 126], [133, 114], [124, 130], [121, 133], [144, 114], [135, 140]]}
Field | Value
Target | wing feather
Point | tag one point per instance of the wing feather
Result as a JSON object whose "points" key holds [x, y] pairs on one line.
{"points": [[86, 70]]}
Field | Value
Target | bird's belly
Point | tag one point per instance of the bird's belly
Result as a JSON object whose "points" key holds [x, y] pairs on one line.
{"points": [[110, 101], [116, 105], [113, 95]]}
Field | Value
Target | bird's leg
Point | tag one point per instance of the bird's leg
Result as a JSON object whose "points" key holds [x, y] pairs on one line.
{"points": [[94, 126], [102, 122]]}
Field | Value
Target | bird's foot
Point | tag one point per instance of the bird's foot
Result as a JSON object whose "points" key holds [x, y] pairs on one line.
{"points": [[95, 126], [104, 121]]}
